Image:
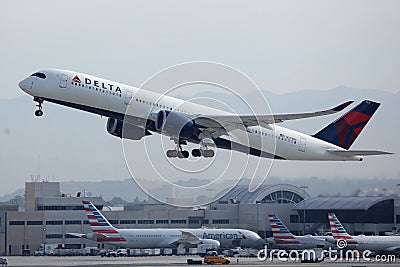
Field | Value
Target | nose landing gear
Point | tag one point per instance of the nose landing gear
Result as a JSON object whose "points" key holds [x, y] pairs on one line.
{"points": [[39, 111]]}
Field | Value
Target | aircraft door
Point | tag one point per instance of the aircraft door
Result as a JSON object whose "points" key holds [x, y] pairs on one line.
{"points": [[302, 144], [63, 80], [128, 97]]}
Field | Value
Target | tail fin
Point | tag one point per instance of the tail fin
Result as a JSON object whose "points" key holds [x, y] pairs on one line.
{"points": [[279, 230], [338, 231], [344, 131], [97, 221]]}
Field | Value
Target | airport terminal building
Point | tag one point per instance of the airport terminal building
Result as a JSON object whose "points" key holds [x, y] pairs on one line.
{"points": [[50, 216]]}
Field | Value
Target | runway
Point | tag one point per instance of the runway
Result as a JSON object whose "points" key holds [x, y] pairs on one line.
{"points": [[163, 261]]}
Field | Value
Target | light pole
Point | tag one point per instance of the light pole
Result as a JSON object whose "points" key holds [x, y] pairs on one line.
{"points": [[304, 187]]}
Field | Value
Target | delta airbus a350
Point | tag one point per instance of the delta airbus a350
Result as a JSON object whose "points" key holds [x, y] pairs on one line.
{"points": [[193, 123]]}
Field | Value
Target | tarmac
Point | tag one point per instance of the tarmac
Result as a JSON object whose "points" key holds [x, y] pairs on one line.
{"points": [[166, 261]]}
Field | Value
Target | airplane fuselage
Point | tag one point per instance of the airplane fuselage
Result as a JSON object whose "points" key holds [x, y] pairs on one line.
{"points": [[111, 99], [300, 242], [166, 238]]}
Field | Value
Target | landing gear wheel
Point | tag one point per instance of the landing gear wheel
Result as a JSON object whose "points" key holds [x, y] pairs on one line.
{"points": [[38, 113], [172, 153], [208, 153], [196, 153], [185, 154]]}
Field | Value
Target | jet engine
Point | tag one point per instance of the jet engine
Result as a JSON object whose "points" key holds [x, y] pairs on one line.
{"points": [[175, 124], [210, 243], [130, 131]]}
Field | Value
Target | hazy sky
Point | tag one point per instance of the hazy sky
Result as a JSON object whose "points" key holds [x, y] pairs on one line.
{"points": [[283, 45]]}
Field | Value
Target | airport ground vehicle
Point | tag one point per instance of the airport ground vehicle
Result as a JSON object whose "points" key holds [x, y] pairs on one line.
{"points": [[213, 259], [47, 249], [122, 252], [3, 261], [107, 253]]}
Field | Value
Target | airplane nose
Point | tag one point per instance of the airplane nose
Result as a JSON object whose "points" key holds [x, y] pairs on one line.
{"points": [[25, 84]]}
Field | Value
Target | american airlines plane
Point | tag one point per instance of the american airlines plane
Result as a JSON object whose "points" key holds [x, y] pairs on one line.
{"points": [[198, 124], [284, 239], [378, 244], [103, 231]]}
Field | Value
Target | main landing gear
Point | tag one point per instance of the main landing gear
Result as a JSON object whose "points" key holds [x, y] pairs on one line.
{"points": [[39, 111], [207, 153], [180, 153]]}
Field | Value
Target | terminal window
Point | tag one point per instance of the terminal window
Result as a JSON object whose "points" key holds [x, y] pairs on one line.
{"points": [[220, 221], [17, 223], [73, 222], [54, 222], [161, 221], [34, 222]]}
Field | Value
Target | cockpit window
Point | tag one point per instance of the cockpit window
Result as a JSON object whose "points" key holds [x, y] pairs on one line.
{"points": [[40, 75]]}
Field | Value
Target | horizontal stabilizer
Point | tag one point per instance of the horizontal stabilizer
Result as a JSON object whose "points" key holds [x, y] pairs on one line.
{"points": [[351, 153]]}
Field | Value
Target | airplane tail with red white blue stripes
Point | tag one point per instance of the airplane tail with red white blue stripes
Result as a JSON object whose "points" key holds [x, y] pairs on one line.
{"points": [[338, 231], [101, 227], [280, 232]]}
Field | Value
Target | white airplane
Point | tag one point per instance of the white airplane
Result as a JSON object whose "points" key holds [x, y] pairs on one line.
{"points": [[378, 244], [284, 239], [194, 123], [103, 231]]}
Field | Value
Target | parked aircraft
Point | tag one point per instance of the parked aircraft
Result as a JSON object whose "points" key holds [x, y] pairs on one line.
{"points": [[103, 231], [284, 239], [378, 244]]}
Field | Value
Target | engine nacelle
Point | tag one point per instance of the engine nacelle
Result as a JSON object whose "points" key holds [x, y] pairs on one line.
{"points": [[175, 124], [130, 131], [210, 244]]}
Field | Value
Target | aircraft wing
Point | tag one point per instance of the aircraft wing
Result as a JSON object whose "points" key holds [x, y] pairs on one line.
{"points": [[91, 236], [229, 122], [187, 238], [80, 235], [395, 249], [351, 153]]}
